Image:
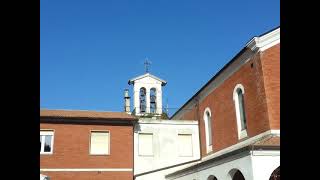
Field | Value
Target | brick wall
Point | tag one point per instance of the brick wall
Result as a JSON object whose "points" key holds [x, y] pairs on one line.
{"points": [[71, 149], [260, 77], [89, 175], [271, 72]]}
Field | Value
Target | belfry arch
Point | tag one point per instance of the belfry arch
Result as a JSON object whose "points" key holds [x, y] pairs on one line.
{"points": [[142, 98], [235, 174], [153, 100]]}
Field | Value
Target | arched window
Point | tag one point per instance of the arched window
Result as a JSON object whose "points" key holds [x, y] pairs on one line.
{"points": [[241, 108], [275, 174], [143, 99], [236, 174], [153, 100], [208, 128], [238, 97], [211, 177]]}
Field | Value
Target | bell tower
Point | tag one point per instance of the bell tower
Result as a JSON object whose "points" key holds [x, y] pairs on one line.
{"points": [[147, 93]]}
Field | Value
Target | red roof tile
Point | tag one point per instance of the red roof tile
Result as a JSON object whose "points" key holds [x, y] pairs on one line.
{"points": [[86, 114], [268, 141]]}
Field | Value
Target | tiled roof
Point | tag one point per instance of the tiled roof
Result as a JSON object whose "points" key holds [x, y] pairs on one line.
{"points": [[86, 114], [268, 141]]}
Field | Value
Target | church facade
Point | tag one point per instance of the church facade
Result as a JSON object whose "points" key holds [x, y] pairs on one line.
{"points": [[228, 130], [238, 111]]}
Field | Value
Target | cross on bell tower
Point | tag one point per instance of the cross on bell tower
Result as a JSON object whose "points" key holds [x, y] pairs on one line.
{"points": [[147, 63]]}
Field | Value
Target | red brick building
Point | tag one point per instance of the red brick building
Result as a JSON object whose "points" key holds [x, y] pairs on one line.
{"points": [[239, 107], [86, 145]]}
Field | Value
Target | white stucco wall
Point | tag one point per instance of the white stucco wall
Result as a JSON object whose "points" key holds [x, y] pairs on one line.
{"points": [[264, 163], [160, 175], [165, 145], [221, 171], [256, 165]]}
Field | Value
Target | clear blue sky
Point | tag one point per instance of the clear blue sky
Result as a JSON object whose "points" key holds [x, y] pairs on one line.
{"points": [[89, 49]]}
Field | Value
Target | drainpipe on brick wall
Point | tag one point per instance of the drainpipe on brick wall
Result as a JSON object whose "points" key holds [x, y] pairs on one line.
{"points": [[133, 128], [199, 120]]}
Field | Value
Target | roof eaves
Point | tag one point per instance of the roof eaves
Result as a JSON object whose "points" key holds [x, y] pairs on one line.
{"points": [[247, 46], [212, 79], [131, 81], [89, 117]]}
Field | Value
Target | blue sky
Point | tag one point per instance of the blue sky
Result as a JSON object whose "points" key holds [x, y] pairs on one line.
{"points": [[89, 49]]}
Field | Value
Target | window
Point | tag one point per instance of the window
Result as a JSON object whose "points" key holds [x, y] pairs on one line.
{"points": [[44, 177], [238, 97], [46, 141], [212, 177], [100, 143], [241, 108], [185, 144], [145, 141], [208, 128]]}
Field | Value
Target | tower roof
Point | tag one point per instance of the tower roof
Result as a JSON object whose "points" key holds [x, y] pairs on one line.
{"points": [[131, 81]]}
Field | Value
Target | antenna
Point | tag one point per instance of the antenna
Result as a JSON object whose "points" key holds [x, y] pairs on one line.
{"points": [[147, 63], [167, 108]]}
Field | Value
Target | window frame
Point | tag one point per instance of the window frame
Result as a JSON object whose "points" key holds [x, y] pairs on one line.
{"points": [[209, 146], [192, 151], [46, 132], [148, 155], [242, 132], [109, 142]]}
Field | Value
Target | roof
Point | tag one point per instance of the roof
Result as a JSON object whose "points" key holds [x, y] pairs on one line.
{"points": [[269, 31], [268, 141], [131, 81], [221, 70], [84, 114]]}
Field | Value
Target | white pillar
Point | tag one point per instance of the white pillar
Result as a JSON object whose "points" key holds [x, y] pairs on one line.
{"points": [[159, 101], [136, 100]]}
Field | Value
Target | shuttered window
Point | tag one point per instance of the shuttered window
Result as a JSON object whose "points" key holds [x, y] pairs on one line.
{"points": [[185, 144], [100, 143], [145, 144]]}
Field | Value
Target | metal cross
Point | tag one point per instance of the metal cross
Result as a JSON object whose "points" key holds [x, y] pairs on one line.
{"points": [[147, 63]]}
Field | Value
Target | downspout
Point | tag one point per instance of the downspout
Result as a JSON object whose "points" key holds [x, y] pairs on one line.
{"points": [[133, 130], [199, 132]]}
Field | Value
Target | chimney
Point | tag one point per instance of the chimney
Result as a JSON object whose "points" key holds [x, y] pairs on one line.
{"points": [[126, 101]]}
